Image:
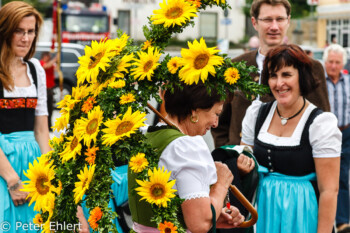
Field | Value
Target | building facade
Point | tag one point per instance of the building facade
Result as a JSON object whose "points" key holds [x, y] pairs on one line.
{"points": [[333, 24], [211, 24]]}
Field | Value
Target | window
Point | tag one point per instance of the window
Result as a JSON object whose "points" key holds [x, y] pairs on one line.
{"points": [[124, 21], [208, 25]]}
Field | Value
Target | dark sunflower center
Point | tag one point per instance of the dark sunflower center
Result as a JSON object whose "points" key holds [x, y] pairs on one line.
{"points": [[84, 183], [167, 230], [124, 127], [157, 191], [201, 61], [74, 143], [92, 126], [94, 60], [40, 185], [147, 66], [174, 13]]}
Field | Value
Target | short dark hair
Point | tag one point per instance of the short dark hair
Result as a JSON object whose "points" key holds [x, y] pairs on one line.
{"points": [[290, 55], [45, 53], [255, 8], [182, 101]]}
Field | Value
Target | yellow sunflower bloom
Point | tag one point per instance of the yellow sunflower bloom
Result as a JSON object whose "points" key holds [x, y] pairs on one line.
{"points": [[117, 84], [72, 148], [98, 87], [174, 64], [167, 227], [146, 65], [38, 220], [80, 92], [88, 129], [91, 155], [82, 186], [231, 75], [62, 121], [146, 44], [117, 45], [119, 128], [56, 140], [138, 163], [40, 174], [47, 226], [198, 61], [218, 1], [123, 65], [96, 57], [95, 215], [158, 189], [175, 12], [127, 98]]}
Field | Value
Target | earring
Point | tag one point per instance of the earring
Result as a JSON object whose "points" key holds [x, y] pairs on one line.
{"points": [[194, 120]]}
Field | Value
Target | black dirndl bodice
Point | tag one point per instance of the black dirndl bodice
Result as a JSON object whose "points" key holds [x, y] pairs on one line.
{"points": [[18, 114]]}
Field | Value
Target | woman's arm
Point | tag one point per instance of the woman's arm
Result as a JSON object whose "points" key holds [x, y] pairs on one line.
{"points": [[41, 132], [197, 212], [327, 171]]}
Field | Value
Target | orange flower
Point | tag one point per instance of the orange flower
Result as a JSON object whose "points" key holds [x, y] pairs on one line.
{"points": [[167, 227], [91, 155], [95, 216], [196, 3], [88, 104]]}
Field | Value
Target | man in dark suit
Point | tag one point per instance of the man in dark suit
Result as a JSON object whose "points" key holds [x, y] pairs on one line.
{"points": [[271, 19]]}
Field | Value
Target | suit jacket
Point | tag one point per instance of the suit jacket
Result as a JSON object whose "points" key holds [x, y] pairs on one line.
{"points": [[229, 129]]}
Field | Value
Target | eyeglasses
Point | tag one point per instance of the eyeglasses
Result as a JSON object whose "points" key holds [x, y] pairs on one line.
{"points": [[269, 21], [21, 33]]}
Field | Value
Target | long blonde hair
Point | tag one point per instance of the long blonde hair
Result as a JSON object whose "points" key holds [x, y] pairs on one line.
{"points": [[11, 15]]}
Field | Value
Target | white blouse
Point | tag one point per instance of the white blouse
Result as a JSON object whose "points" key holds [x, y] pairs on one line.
{"points": [[31, 91], [191, 164], [324, 134]]}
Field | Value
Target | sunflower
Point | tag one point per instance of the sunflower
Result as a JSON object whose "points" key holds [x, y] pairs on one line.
{"points": [[218, 1], [119, 128], [117, 45], [147, 44], [175, 12], [231, 75], [117, 84], [82, 186], [198, 61], [123, 64], [173, 65], [96, 57], [91, 155], [146, 65], [38, 220], [39, 186], [167, 227], [158, 189], [88, 104], [80, 92], [98, 87], [127, 98], [72, 148], [88, 129], [138, 162], [95, 216], [62, 121]]}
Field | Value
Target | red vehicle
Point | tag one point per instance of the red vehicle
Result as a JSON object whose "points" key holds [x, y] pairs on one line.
{"points": [[82, 25]]}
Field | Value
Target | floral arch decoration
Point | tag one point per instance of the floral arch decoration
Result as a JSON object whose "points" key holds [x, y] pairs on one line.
{"points": [[101, 119]]}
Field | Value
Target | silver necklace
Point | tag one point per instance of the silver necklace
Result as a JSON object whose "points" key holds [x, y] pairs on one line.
{"points": [[284, 120]]}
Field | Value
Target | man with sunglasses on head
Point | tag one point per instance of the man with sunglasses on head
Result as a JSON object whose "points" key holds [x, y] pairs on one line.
{"points": [[271, 19]]}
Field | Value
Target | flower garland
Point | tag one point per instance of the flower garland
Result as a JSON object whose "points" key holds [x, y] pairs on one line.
{"points": [[102, 117]]}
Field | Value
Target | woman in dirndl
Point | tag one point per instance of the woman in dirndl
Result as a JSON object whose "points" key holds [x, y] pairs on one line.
{"points": [[24, 133], [297, 147]]}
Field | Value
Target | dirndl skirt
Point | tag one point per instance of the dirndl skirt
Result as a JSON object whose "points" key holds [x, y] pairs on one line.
{"points": [[20, 149], [286, 204]]}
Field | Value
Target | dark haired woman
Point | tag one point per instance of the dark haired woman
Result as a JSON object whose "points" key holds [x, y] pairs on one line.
{"points": [[297, 146], [202, 183]]}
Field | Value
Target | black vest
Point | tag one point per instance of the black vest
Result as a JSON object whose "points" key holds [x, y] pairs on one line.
{"points": [[18, 114]]}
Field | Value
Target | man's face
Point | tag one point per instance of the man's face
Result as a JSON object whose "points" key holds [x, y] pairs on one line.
{"points": [[334, 65], [272, 24]]}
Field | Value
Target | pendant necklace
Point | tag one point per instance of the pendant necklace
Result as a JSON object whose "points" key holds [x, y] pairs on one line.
{"points": [[285, 119]]}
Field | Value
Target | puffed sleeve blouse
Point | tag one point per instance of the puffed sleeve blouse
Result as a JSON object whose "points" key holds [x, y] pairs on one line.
{"points": [[31, 91], [324, 134], [191, 164]]}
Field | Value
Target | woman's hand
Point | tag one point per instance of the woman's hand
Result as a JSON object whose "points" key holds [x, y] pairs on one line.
{"points": [[18, 197], [245, 164], [229, 220], [224, 175]]}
